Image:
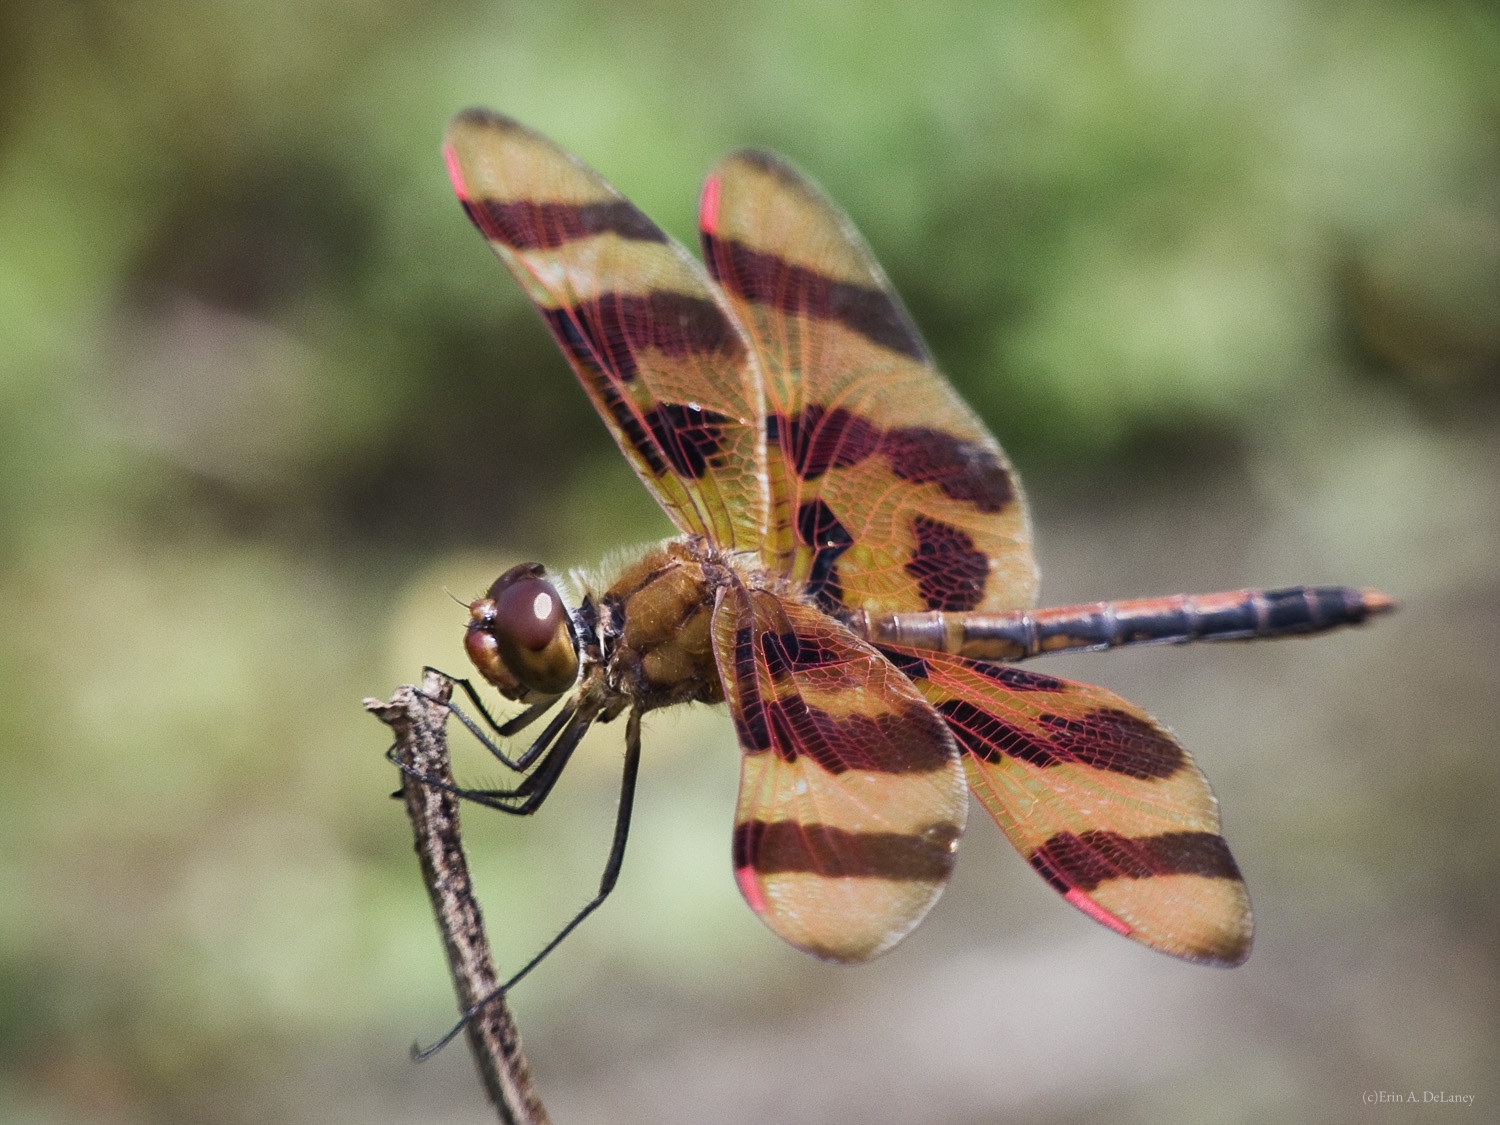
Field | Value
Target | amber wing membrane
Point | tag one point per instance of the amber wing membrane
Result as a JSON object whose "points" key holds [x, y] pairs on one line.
{"points": [[652, 340], [852, 798], [1100, 799], [887, 492]]}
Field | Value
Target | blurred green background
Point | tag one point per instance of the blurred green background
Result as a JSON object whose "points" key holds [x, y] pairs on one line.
{"points": [[1223, 277]]}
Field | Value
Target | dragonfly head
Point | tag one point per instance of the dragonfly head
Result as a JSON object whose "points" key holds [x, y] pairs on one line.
{"points": [[521, 638]]}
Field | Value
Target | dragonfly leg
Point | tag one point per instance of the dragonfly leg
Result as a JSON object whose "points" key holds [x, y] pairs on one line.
{"points": [[555, 746], [607, 882], [504, 730]]}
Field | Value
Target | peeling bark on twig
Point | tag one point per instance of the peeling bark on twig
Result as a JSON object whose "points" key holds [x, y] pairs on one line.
{"points": [[422, 743]]}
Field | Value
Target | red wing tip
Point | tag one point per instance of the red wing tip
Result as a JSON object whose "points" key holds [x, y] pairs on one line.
{"points": [[1375, 602], [455, 174], [745, 877], [1097, 912], [474, 118], [708, 206], [1232, 954]]}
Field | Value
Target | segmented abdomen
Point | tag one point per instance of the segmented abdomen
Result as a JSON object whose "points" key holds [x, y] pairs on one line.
{"points": [[1176, 619]]}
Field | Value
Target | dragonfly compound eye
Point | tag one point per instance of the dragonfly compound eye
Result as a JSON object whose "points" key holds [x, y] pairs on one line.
{"points": [[520, 636]]}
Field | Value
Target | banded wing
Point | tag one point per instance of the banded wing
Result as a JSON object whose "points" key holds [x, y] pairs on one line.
{"points": [[1101, 800], [653, 342], [851, 799], [887, 492]]}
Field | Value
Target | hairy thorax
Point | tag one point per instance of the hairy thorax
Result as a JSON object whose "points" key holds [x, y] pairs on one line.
{"points": [[656, 625]]}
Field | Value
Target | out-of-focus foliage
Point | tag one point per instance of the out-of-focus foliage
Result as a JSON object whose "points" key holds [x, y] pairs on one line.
{"points": [[1229, 270]]}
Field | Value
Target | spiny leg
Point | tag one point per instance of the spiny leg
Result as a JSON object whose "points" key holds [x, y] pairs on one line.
{"points": [[505, 730], [606, 884], [558, 742], [535, 788], [534, 750]]}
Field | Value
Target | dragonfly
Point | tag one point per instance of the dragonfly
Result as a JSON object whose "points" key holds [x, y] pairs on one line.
{"points": [[853, 577]]}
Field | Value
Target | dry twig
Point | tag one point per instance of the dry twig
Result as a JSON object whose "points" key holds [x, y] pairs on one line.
{"points": [[422, 743]]}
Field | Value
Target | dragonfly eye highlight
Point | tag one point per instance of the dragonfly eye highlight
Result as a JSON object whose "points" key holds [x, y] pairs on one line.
{"points": [[520, 636]]}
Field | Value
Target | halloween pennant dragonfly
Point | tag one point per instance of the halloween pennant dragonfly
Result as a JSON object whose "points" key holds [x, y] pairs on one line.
{"points": [[854, 578]]}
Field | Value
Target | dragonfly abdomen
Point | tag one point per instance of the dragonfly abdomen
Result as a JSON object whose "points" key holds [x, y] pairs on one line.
{"points": [[1239, 615]]}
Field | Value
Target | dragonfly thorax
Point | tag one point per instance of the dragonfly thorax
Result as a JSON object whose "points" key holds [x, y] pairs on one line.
{"points": [[655, 627]]}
